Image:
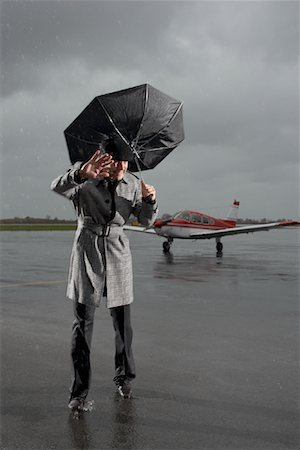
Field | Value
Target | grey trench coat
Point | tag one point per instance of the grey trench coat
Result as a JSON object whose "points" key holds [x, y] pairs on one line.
{"points": [[101, 255]]}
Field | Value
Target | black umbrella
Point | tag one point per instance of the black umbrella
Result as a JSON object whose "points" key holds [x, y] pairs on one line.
{"points": [[142, 119]]}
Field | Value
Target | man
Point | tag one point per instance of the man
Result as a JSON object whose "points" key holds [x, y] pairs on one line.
{"points": [[104, 195]]}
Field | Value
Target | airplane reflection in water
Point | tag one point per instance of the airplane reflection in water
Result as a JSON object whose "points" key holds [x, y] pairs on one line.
{"points": [[188, 224]]}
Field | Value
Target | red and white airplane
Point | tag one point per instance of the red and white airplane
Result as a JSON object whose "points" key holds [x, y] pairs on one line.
{"points": [[196, 225]]}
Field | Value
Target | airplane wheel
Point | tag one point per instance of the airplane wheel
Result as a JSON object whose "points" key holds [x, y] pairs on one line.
{"points": [[166, 247]]}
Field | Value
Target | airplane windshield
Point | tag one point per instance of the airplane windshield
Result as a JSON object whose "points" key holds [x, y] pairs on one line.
{"points": [[185, 215]]}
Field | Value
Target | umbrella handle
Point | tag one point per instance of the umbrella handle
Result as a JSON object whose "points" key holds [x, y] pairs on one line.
{"points": [[139, 168], [101, 149]]}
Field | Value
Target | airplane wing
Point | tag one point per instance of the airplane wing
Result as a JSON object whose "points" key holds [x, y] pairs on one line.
{"points": [[140, 229], [208, 234]]}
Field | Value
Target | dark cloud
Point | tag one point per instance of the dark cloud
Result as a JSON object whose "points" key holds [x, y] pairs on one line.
{"points": [[100, 33], [260, 30]]}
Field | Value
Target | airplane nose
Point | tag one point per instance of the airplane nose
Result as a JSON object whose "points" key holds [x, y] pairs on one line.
{"points": [[158, 223]]}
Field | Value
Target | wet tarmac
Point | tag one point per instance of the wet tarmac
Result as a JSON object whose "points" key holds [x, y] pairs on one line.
{"points": [[216, 344]]}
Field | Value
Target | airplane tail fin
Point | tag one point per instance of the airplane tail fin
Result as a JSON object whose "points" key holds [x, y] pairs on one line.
{"points": [[233, 212]]}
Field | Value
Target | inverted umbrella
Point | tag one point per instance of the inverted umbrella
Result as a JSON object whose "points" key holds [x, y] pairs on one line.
{"points": [[141, 118]]}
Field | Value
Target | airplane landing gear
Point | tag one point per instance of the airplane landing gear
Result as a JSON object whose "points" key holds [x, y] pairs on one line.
{"points": [[167, 245], [219, 248]]}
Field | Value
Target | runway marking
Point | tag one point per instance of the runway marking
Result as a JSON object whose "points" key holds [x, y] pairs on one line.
{"points": [[32, 283]]}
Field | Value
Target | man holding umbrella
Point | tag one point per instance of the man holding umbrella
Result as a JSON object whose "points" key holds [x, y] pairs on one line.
{"points": [[104, 195]]}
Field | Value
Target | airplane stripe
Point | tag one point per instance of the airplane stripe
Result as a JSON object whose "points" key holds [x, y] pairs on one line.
{"points": [[200, 227]]}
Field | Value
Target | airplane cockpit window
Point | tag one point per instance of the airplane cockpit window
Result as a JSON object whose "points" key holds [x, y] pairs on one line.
{"points": [[205, 219], [185, 215], [196, 218], [176, 215]]}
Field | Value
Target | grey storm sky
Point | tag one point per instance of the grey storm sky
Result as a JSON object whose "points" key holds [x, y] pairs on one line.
{"points": [[234, 64]]}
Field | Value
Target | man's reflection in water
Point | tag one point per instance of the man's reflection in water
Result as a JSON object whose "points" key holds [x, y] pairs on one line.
{"points": [[120, 433], [80, 436], [124, 424]]}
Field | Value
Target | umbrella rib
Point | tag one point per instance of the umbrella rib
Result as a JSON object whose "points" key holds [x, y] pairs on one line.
{"points": [[171, 119], [144, 113], [150, 150], [112, 122]]}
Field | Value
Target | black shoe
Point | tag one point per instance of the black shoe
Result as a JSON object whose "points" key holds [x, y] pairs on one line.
{"points": [[76, 405], [124, 389], [81, 405]]}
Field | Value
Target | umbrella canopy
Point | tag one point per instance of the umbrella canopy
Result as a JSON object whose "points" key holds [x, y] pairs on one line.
{"points": [[141, 119]]}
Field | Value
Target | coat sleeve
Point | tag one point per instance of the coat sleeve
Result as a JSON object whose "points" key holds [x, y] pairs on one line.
{"points": [[145, 212], [69, 183]]}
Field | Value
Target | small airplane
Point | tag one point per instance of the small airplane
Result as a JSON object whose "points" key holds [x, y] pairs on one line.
{"points": [[196, 225]]}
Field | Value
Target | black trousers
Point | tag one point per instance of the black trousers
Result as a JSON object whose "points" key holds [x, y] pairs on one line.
{"points": [[82, 331]]}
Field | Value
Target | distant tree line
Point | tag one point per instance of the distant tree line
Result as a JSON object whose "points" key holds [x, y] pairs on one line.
{"points": [[28, 219]]}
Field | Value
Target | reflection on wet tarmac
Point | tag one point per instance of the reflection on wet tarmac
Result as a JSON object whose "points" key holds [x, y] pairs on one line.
{"points": [[80, 435], [120, 429], [199, 268], [169, 257], [123, 431], [186, 267]]}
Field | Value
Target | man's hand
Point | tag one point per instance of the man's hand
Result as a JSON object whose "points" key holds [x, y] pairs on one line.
{"points": [[148, 191], [97, 166]]}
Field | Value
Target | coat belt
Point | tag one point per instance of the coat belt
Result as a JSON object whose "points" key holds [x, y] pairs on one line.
{"points": [[103, 230]]}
